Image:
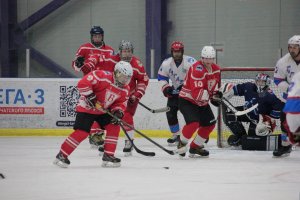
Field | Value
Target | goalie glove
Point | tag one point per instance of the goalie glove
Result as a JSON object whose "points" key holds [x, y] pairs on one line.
{"points": [[265, 127], [227, 90]]}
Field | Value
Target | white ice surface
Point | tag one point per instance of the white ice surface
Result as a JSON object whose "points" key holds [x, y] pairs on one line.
{"points": [[226, 174]]}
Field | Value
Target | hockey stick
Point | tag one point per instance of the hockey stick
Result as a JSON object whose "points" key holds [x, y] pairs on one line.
{"points": [[99, 107], [159, 110], [136, 149], [234, 110]]}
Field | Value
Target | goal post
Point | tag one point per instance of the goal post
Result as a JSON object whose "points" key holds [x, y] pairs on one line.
{"points": [[237, 75]]}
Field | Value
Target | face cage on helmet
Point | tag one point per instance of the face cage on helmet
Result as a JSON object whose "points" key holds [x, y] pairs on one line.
{"points": [[121, 79], [127, 58], [262, 87]]}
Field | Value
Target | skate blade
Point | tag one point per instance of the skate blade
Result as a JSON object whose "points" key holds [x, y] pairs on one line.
{"points": [[282, 156], [127, 154], [107, 164], [197, 156], [173, 144], [181, 150], [93, 146], [60, 164]]}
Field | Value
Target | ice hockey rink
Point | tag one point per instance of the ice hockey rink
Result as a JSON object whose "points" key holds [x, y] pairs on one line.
{"points": [[26, 163]]}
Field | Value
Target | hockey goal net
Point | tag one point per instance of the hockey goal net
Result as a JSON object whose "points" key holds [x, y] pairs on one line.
{"points": [[237, 75]]}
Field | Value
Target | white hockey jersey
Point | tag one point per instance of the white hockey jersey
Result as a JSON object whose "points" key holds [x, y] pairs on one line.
{"points": [[285, 69], [292, 106], [169, 70]]}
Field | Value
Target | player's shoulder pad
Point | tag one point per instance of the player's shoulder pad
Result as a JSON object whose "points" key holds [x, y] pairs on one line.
{"points": [[283, 60], [190, 59], [136, 62]]}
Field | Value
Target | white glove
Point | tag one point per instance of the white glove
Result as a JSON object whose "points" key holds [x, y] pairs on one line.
{"points": [[263, 129], [227, 90]]}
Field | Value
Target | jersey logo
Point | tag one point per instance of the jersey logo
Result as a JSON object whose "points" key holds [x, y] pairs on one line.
{"points": [[199, 68], [110, 98], [210, 84]]}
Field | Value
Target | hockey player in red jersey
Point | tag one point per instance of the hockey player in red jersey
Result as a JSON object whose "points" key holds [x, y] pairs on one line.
{"points": [[199, 88], [110, 91], [95, 47], [138, 83]]}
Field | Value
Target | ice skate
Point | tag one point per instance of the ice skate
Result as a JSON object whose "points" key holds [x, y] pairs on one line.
{"points": [[128, 148], [96, 139], [181, 148], [173, 141], [198, 152], [282, 151], [61, 161], [110, 161], [101, 150]]}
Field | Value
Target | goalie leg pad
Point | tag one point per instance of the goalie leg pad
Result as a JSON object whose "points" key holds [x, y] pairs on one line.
{"points": [[237, 128], [260, 143]]}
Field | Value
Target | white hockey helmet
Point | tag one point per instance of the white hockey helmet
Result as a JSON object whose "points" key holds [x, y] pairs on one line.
{"points": [[208, 52], [294, 40], [122, 73]]}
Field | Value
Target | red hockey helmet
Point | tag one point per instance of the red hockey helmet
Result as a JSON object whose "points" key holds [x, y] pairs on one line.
{"points": [[177, 46]]}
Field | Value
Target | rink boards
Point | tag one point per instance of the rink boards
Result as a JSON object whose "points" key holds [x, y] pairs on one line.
{"points": [[46, 107]]}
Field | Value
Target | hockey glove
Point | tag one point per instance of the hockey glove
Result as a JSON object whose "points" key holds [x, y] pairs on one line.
{"points": [[168, 91], [91, 100], [216, 99], [79, 61], [132, 99], [119, 115]]}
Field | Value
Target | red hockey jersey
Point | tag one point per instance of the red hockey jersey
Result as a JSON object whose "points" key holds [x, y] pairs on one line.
{"points": [[200, 84], [88, 49], [139, 80], [101, 83]]}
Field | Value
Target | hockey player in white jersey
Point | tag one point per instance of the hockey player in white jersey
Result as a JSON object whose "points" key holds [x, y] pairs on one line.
{"points": [[175, 69], [288, 65], [292, 109], [285, 69]]}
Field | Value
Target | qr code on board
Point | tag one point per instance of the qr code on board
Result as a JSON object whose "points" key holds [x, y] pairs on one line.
{"points": [[69, 96]]}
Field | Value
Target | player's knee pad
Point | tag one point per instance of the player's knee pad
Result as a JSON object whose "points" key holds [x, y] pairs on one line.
{"points": [[189, 129], [228, 116], [205, 131], [79, 135], [112, 130]]}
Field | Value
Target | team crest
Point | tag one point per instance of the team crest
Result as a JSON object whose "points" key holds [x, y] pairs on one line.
{"points": [[110, 98], [210, 84]]}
